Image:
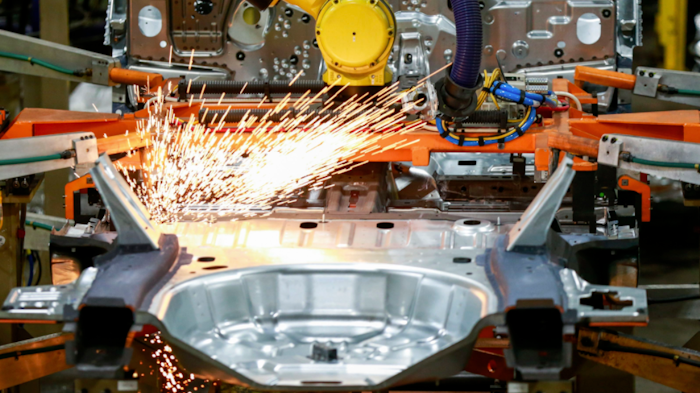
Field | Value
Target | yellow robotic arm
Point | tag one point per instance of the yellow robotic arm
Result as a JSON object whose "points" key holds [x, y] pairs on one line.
{"points": [[355, 38]]}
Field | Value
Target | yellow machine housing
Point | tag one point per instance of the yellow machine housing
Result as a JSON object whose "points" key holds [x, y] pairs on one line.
{"points": [[355, 38]]}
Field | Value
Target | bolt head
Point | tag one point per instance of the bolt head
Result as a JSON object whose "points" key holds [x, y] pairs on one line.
{"points": [[628, 26]]}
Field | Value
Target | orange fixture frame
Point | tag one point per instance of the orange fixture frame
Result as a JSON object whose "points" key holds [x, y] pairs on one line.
{"points": [[570, 131]]}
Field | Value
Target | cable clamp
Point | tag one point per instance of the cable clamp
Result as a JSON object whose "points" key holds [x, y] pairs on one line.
{"points": [[481, 141], [519, 131]]}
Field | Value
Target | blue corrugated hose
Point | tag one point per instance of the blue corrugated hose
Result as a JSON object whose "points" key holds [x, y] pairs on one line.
{"points": [[466, 65]]}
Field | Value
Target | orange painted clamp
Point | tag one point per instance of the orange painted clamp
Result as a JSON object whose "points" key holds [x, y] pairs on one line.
{"points": [[132, 77], [627, 183], [573, 144], [604, 78], [81, 183]]}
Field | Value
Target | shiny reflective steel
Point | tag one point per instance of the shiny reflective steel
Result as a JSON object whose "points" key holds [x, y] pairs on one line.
{"points": [[382, 319], [523, 34], [550, 31], [387, 295]]}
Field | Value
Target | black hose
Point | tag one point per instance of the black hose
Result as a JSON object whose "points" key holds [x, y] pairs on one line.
{"points": [[611, 347], [16, 354], [458, 90], [491, 117], [674, 299], [37, 260], [268, 88]]}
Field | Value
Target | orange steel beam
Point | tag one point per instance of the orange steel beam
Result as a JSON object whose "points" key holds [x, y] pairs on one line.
{"points": [[673, 125], [573, 144], [132, 77], [110, 129], [122, 143], [604, 78]]}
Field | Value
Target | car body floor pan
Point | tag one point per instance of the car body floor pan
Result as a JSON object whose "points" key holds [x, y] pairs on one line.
{"points": [[335, 324]]}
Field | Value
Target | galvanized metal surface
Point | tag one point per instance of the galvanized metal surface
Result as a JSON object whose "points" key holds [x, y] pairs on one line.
{"points": [[578, 291], [281, 44], [61, 55], [82, 143], [535, 222], [612, 145], [524, 34], [128, 214], [649, 79], [46, 302], [263, 323]]}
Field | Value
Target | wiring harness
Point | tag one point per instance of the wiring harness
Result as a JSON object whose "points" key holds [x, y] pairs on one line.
{"points": [[499, 90]]}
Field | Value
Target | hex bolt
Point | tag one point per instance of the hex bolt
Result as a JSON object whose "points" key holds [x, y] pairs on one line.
{"points": [[558, 52], [240, 56], [606, 13], [625, 182]]}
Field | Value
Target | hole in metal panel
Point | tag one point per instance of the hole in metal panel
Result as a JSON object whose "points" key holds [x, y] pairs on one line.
{"points": [[471, 222], [385, 225], [206, 259], [215, 267], [308, 225], [588, 28]]}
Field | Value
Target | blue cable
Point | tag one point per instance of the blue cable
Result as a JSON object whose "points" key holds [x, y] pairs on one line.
{"points": [[511, 89], [515, 97], [552, 103], [528, 123], [510, 93]]}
